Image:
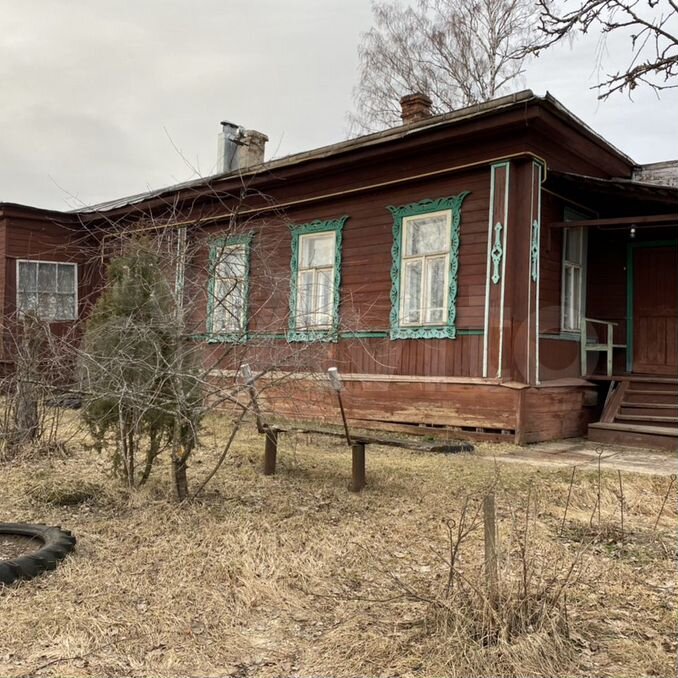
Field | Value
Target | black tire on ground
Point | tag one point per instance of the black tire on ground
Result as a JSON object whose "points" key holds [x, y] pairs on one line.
{"points": [[56, 545]]}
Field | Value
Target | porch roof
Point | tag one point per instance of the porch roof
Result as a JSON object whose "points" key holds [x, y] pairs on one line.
{"points": [[649, 197]]}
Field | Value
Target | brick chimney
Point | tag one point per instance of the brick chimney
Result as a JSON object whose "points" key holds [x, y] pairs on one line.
{"points": [[239, 148], [252, 149], [415, 107]]}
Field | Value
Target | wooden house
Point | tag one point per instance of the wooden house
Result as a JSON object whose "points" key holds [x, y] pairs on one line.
{"points": [[500, 271]]}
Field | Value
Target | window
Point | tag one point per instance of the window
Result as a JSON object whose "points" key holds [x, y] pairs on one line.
{"points": [[315, 280], [229, 288], [572, 287], [48, 289], [424, 270]]}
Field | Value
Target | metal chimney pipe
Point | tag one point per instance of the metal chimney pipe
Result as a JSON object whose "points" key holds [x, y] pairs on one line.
{"points": [[228, 146]]}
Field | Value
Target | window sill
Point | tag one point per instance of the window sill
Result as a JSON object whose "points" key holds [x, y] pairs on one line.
{"points": [[222, 338], [312, 336], [424, 332]]}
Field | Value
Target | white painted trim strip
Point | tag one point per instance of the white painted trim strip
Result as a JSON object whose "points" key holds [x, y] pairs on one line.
{"points": [[486, 325], [503, 271]]}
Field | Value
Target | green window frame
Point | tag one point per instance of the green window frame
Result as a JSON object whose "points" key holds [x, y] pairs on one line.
{"points": [[217, 247], [402, 216], [329, 332]]}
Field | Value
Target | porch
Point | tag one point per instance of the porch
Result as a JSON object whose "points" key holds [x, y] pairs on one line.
{"points": [[628, 327], [620, 304]]}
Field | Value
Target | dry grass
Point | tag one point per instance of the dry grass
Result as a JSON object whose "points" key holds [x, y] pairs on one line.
{"points": [[292, 574]]}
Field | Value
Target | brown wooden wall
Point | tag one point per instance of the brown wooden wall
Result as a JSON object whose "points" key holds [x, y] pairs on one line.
{"points": [[366, 281], [27, 236], [553, 413]]}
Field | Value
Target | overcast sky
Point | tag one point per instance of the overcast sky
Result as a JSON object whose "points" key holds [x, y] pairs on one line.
{"points": [[100, 98]]}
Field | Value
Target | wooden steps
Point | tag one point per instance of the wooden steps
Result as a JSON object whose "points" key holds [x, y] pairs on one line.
{"points": [[641, 412]]}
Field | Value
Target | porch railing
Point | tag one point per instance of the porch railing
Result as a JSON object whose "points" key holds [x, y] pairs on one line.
{"points": [[595, 345]]}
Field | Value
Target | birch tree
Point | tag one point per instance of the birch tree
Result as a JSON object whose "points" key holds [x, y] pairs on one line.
{"points": [[457, 52]]}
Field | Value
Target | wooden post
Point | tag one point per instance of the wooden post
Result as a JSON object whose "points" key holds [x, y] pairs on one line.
{"points": [[358, 467], [270, 451], [335, 383], [252, 390], [490, 526]]}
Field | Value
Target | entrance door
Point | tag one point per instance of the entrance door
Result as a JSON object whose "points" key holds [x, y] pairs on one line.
{"points": [[655, 310]]}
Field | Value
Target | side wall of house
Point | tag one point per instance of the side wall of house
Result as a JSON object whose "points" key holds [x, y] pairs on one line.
{"points": [[40, 238]]}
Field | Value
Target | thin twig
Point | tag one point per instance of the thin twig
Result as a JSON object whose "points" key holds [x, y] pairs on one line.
{"points": [[666, 496], [621, 504], [600, 454], [567, 503], [217, 466]]}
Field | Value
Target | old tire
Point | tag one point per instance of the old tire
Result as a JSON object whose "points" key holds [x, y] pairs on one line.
{"points": [[56, 545]]}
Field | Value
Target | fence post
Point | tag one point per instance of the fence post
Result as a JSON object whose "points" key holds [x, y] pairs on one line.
{"points": [[270, 451], [358, 466]]}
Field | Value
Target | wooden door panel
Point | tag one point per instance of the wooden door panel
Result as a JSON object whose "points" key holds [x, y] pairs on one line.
{"points": [[655, 310]]}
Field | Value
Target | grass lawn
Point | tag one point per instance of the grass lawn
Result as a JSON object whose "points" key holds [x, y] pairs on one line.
{"points": [[294, 575]]}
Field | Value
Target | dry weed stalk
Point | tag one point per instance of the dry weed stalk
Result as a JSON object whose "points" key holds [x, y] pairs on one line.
{"points": [[567, 503], [528, 603], [666, 496]]}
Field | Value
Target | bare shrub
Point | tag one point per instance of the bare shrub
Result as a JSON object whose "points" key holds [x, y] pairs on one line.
{"points": [[520, 628], [31, 408]]}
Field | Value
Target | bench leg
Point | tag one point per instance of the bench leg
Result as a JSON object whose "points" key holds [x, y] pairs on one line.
{"points": [[358, 467], [270, 452]]}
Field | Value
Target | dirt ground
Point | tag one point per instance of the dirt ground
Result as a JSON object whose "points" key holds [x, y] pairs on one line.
{"points": [[583, 454], [294, 575], [14, 546]]}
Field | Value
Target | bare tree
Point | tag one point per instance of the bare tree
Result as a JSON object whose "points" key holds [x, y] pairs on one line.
{"points": [[172, 314], [651, 27], [458, 52], [176, 318]]}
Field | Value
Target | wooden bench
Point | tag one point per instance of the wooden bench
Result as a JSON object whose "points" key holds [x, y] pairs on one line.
{"points": [[357, 443], [358, 446]]}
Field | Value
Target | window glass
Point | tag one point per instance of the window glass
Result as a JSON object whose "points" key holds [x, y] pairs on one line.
{"points": [[324, 302], [573, 261], [228, 311], [315, 281], [425, 269], [436, 290], [573, 245], [65, 306], [305, 306], [576, 298], [425, 235], [47, 276], [232, 263], [28, 276], [413, 289], [65, 279], [48, 289], [317, 250]]}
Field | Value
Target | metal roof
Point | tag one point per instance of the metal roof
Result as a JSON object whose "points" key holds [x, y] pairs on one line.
{"points": [[626, 188], [376, 138]]}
